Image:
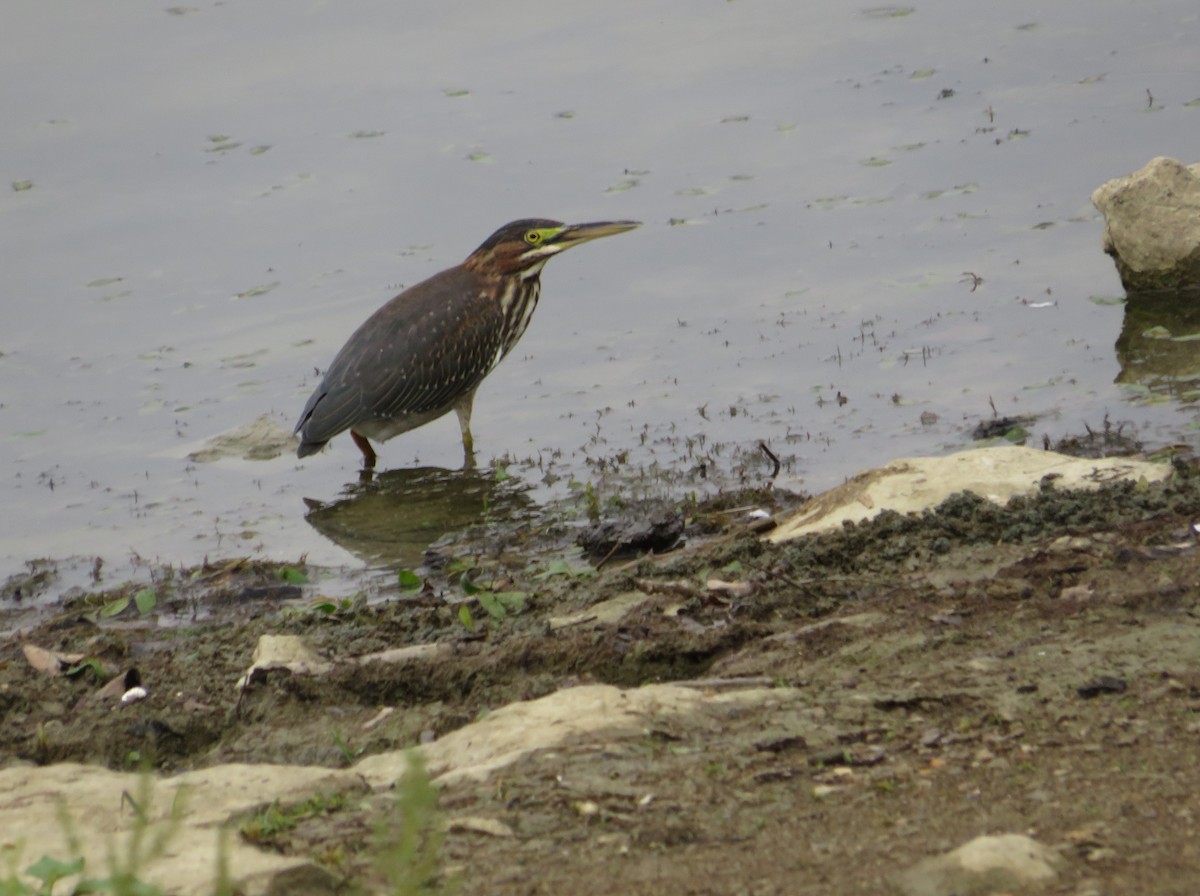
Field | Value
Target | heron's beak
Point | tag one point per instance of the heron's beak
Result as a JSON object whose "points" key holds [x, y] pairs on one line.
{"points": [[573, 234]]}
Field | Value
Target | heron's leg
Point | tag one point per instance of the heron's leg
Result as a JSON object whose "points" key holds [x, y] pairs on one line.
{"points": [[364, 446], [462, 408]]}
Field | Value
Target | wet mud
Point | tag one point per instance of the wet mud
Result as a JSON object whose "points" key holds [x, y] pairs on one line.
{"points": [[973, 669]]}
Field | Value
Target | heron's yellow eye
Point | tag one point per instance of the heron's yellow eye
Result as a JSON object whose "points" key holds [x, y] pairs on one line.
{"points": [[533, 237]]}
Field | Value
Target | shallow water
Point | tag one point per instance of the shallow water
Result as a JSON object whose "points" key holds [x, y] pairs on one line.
{"points": [[207, 200]]}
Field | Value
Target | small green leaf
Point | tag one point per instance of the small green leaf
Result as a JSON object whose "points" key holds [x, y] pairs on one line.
{"points": [[22, 185], [467, 585], [293, 576], [93, 885], [410, 583], [458, 565], [49, 870], [555, 568], [146, 600], [464, 616], [512, 601], [494, 608], [124, 883], [115, 607], [560, 567], [82, 666]]}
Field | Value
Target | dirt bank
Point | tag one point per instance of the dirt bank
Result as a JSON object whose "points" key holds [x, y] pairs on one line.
{"points": [[975, 670]]}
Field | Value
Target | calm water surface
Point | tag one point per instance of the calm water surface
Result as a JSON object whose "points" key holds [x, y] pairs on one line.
{"points": [[206, 200]]}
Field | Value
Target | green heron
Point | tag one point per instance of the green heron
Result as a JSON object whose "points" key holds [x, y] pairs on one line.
{"points": [[426, 351]]}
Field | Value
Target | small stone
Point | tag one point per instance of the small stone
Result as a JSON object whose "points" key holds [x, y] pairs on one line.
{"points": [[988, 864], [1104, 684], [133, 695], [983, 755], [829, 756], [984, 664], [472, 824]]}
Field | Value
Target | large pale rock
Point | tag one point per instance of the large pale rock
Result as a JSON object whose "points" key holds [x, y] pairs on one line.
{"points": [[34, 801], [587, 713], [913, 484], [1007, 863], [41, 809], [1152, 225]]}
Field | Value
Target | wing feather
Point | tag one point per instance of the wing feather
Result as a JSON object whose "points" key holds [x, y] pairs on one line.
{"points": [[414, 356]]}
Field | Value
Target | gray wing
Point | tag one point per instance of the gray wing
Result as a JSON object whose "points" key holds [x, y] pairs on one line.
{"points": [[414, 356]]}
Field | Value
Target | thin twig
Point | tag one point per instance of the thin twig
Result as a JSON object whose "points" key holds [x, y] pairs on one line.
{"points": [[762, 446]]}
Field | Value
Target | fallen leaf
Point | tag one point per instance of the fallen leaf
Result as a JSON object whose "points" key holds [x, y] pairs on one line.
{"points": [[51, 662]]}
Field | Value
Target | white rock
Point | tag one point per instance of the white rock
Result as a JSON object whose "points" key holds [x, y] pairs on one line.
{"points": [[989, 864], [913, 484], [94, 799], [1152, 225], [285, 652], [477, 825], [572, 715], [134, 694]]}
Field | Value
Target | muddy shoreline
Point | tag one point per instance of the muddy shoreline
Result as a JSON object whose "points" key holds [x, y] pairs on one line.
{"points": [[973, 669]]}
